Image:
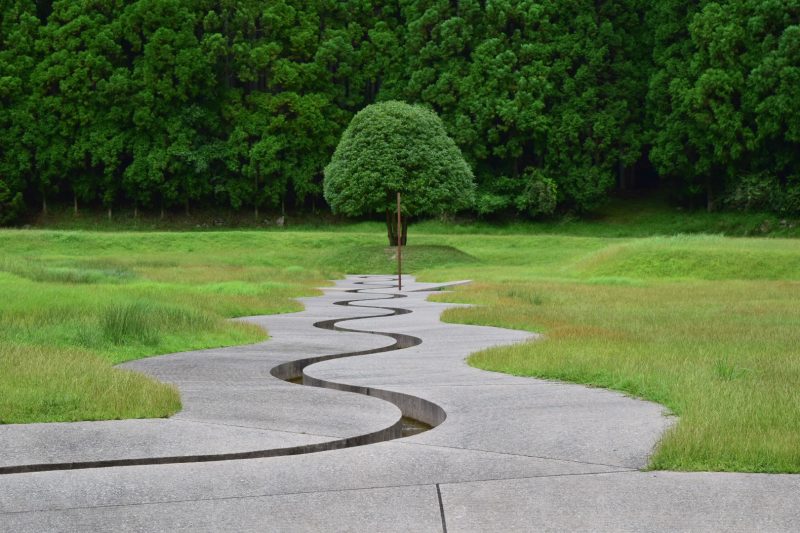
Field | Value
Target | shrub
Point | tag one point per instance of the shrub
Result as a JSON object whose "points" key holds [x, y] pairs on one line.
{"points": [[540, 195], [11, 204], [758, 191]]}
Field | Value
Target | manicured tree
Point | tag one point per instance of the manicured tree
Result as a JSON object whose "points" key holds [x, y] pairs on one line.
{"points": [[394, 147]]}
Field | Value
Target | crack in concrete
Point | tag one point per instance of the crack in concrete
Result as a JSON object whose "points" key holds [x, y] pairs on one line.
{"points": [[544, 458], [441, 508]]}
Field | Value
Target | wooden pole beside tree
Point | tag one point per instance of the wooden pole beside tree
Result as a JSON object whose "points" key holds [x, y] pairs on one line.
{"points": [[391, 147], [399, 248]]}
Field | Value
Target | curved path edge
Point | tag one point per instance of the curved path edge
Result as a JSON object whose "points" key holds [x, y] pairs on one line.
{"points": [[412, 407], [513, 454]]}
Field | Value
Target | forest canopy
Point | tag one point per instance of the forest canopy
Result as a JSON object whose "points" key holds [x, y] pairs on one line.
{"points": [[175, 103]]}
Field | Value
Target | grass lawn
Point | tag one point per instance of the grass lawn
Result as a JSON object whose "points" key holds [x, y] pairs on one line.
{"points": [[707, 325]]}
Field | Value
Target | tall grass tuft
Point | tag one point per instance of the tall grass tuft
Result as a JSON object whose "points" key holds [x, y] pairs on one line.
{"points": [[127, 322], [41, 384], [145, 322]]}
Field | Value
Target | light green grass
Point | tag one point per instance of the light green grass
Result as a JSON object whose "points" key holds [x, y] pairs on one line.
{"points": [[41, 384], [708, 326], [107, 298], [114, 297]]}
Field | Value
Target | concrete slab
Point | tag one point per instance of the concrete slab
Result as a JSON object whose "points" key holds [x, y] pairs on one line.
{"points": [[387, 464], [550, 420], [288, 407], [400, 509], [633, 501], [97, 441]]}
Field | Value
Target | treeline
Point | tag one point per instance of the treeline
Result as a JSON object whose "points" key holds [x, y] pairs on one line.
{"points": [[163, 103]]}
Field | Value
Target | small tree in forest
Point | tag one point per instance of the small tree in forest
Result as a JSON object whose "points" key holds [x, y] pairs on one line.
{"points": [[11, 204], [394, 147]]}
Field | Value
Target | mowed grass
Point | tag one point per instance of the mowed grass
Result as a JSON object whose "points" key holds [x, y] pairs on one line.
{"points": [[708, 326]]}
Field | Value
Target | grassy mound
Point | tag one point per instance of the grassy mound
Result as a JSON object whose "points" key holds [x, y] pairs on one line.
{"points": [[380, 259], [697, 257]]}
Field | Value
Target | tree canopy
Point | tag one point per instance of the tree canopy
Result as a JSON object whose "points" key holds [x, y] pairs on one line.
{"points": [[175, 103], [393, 147]]}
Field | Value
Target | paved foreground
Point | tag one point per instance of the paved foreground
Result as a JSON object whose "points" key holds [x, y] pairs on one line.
{"points": [[505, 454]]}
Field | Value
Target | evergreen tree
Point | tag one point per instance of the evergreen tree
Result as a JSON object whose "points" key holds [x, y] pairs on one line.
{"points": [[240, 103]]}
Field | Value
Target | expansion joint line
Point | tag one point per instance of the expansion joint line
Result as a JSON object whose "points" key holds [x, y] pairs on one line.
{"points": [[441, 508]]}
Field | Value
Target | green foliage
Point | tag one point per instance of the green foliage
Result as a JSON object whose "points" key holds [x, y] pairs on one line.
{"points": [[11, 204], [394, 147], [724, 99], [540, 194], [174, 103], [755, 192]]}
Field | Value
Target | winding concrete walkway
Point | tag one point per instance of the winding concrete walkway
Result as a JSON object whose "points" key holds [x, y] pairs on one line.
{"points": [[251, 451]]}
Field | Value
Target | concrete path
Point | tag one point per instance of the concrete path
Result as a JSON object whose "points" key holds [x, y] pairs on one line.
{"points": [[506, 453]]}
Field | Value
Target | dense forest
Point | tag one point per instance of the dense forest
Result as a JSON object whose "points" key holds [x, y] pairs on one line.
{"points": [[165, 104]]}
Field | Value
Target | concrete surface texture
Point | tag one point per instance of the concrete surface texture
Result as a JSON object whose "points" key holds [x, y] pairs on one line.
{"points": [[252, 452]]}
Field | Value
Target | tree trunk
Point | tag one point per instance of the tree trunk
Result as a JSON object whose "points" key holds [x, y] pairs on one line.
{"points": [[75, 204], [255, 195], [109, 212], [44, 204], [709, 196], [135, 211], [391, 228]]}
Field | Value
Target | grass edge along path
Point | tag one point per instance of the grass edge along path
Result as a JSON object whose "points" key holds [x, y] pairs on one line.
{"points": [[706, 325], [77, 303], [721, 353]]}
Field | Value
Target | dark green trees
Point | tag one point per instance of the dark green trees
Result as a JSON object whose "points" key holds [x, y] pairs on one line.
{"points": [[19, 31], [724, 101], [10, 204], [394, 147], [532, 91], [159, 104]]}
